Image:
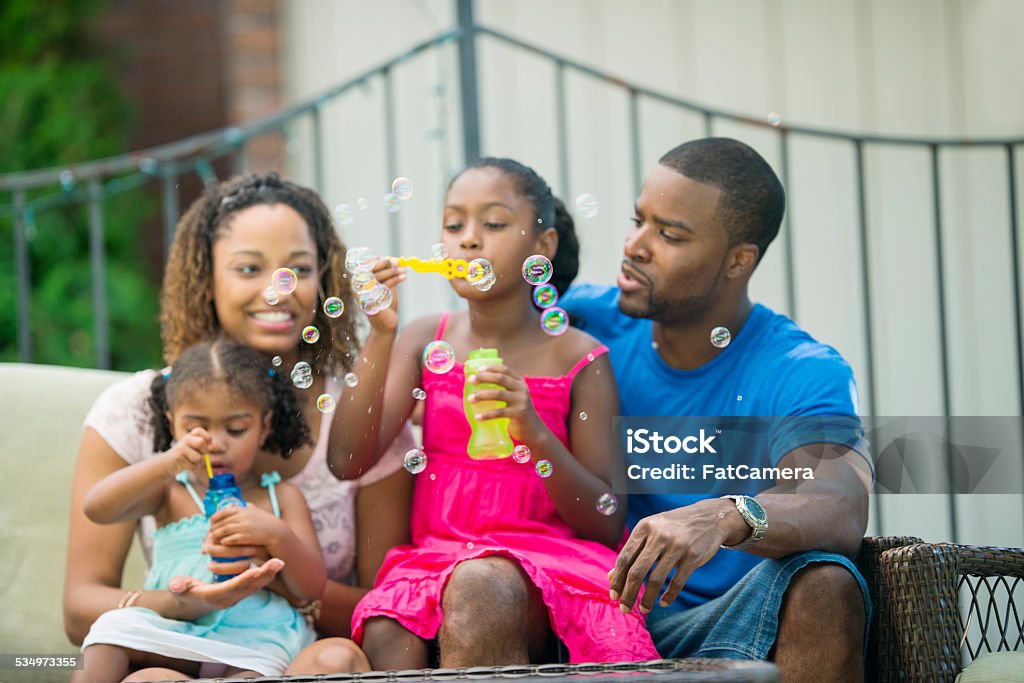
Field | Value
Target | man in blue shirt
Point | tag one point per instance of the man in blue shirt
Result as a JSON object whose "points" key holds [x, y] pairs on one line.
{"points": [[704, 218]]}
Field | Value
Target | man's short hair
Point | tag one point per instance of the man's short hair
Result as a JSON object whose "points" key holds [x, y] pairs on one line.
{"points": [[752, 200]]}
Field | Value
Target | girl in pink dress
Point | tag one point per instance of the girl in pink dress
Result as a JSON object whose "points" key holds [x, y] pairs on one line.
{"points": [[560, 397]]}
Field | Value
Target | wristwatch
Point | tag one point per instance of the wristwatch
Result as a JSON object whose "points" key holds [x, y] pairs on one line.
{"points": [[754, 515]]}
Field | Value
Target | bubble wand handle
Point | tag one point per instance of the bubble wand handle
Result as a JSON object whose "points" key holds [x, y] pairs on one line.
{"points": [[450, 268]]}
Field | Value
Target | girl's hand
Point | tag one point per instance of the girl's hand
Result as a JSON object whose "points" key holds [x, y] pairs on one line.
{"points": [[194, 598], [187, 452], [250, 525], [389, 274], [524, 424]]}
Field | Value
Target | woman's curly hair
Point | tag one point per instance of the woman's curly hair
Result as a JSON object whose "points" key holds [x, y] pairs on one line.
{"points": [[246, 374], [187, 313]]}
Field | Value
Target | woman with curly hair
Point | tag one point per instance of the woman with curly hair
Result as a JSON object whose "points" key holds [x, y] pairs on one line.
{"points": [[215, 285]]}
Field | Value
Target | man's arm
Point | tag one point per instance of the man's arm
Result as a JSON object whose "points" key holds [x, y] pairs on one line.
{"points": [[826, 513]]}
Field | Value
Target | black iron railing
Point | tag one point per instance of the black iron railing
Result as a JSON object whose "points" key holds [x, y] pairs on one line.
{"points": [[23, 195]]}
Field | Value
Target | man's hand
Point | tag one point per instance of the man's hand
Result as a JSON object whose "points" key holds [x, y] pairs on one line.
{"points": [[682, 539]]}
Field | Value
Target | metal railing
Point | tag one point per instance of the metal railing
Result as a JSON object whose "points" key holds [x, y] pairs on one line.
{"points": [[95, 181]]}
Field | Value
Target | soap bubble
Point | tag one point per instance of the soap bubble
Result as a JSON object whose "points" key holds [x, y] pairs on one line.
{"points": [[554, 321], [363, 281], [439, 357], [478, 271], [544, 469], [537, 269], [402, 188], [583, 415], [271, 296], [333, 307], [419, 394], [359, 259], [375, 299], [521, 454], [545, 296], [343, 214], [720, 337], [469, 545], [302, 375], [587, 205], [607, 504], [439, 251], [351, 380], [362, 203], [276, 360], [310, 334], [284, 280], [415, 461], [486, 283], [392, 203], [67, 180], [325, 403], [774, 119]]}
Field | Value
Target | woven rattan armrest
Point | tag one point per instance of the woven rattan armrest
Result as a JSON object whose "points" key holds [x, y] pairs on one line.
{"points": [[924, 581]]}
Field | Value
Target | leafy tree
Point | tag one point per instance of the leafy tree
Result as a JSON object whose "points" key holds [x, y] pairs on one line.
{"points": [[60, 104]]}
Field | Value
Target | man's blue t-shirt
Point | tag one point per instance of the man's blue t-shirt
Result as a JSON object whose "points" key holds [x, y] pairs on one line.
{"points": [[771, 368]]}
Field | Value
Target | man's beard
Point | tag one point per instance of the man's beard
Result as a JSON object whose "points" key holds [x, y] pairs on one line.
{"points": [[670, 310]]}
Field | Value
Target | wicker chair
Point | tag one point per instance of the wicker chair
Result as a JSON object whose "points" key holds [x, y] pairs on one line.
{"points": [[884, 663], [926, 584]]}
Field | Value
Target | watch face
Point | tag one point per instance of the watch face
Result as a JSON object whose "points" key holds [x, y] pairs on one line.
{"points": [[755, 509]]}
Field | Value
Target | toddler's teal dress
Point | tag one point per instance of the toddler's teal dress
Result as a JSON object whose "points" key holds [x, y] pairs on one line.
{"points": [[262, 633]]}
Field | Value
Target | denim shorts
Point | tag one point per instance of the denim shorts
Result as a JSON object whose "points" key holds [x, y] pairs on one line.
{"points": [[743, 623]]}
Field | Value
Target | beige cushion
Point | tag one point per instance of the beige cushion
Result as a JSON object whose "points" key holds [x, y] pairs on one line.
{"points": [[995, 667], [40, 427]]}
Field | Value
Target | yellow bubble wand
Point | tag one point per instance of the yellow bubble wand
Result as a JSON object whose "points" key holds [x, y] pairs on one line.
{"points": [[209, 468], [449, 267]]}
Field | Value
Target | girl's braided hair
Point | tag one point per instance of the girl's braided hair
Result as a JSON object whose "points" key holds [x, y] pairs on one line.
{"points": [[187, 314]]}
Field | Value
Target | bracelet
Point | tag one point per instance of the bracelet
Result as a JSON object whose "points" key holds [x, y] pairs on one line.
{"points": [[129, 598], [311, 609]]}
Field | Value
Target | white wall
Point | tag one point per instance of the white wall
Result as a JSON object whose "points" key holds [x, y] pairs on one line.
{"points": [[909, 67]]}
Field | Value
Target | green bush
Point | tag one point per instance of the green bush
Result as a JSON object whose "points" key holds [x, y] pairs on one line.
{"points": [[60, 104]]}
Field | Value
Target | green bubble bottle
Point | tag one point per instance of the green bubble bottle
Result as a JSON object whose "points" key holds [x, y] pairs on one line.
{"points": [[490, 439]]}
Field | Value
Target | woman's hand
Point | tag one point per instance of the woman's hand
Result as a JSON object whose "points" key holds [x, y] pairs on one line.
{"points": [[524, 423], [186, 453], [388, 274], [193, 598]]}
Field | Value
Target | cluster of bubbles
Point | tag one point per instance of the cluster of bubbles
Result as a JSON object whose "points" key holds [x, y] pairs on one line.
{"points": [[537, 270], [521, 454], [587, 205], [283, 282], [372, 295], [721, 337], [401, 190]]}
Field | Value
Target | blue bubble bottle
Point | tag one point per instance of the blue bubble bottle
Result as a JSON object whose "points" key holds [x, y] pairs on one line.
{"points": [[223, 492]]}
